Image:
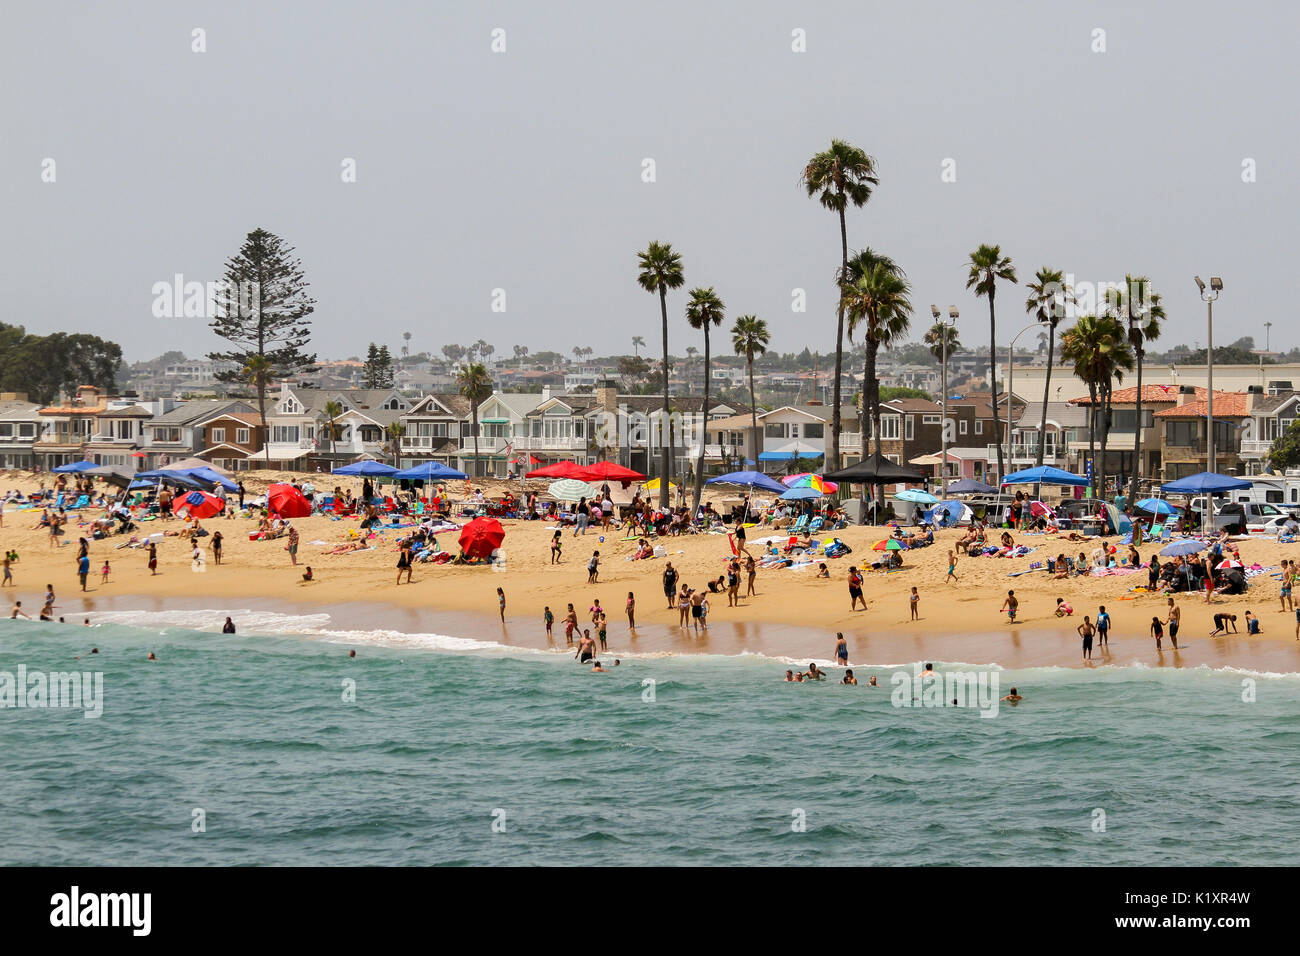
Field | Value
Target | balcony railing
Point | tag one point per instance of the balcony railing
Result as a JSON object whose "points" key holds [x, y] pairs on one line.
{"points": [[851, 441], [1256, 449]]}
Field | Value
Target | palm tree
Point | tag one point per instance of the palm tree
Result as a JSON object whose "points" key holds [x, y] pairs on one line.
{"points": [[1099, 351], [839, 176], [703, 310], [395, 432], [257, 372], [474, 383], [1048, 298], [521, 352], [661, 270], [406, 347], [332, 411], [749, 337], [638, 343], [691, 352], [987, 266], [1141, 312], [876, 298], [941, 338]]}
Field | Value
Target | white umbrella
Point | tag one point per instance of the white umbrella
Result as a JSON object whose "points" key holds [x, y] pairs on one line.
{"points": [[570, 489]]}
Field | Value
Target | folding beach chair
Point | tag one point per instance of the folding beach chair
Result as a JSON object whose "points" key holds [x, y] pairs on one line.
{"points": [[816, 524], [800, 524]]}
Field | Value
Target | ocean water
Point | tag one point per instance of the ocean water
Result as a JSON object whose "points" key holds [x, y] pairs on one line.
{"points": [[459, 751]]}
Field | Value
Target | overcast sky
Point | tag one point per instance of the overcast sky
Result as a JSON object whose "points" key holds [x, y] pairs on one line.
{"points": [[522, 170]]}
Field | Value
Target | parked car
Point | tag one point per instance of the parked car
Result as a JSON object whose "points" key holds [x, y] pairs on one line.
{"points": [[1247, 518]]}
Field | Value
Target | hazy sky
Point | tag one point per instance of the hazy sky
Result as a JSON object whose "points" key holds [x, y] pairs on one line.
{"points": [[522, 170]]}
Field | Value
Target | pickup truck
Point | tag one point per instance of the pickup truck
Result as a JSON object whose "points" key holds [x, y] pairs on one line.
{"points": [[1240, 518]]}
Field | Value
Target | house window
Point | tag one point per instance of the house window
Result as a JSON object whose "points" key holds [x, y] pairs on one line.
{"points": [[1183, 434], [26, 431], [218, 436], [284, 433], [961, 427], [910, 429], [979, 427], [776, 430], [290, 407], [889, 428], [241, 436], [6, 430], [930, 419], [166, 434], [814, 431]]}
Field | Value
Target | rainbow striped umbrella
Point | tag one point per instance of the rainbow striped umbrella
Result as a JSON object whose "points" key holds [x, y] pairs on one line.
{"points": [[809, 480]]}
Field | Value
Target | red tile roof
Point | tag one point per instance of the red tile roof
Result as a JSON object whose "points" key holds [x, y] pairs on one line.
{"points": [[1226, 405], [1150, 394]]}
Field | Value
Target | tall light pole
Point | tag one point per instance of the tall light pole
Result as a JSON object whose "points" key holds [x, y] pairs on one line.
{"points": [[943, 377], [1208, 297], [1267, 326], [1011, 371]]}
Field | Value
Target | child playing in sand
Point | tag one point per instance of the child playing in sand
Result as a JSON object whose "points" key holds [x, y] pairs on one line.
{"points": [[308, 575], [915, 601], [1063, 608], [1011, 605]]}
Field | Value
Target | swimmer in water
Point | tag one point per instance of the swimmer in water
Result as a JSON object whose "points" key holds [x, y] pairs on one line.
{"points": [[597, 669], [1013, 697], [18, 612], [849, 678], [814, 673]]}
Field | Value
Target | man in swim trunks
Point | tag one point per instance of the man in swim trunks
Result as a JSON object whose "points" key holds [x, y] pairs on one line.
{"points": [[586, 648], [1173, 620], [1086, 631]]}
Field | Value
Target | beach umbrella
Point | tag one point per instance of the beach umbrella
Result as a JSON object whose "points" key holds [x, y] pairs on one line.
{"points": [[800, 494], [560, 469], [429, 471], [607, 471], [810, 480], [287, 502], [369, 469], [917, 496], [889, 544], [754, 479], [1182, 547], [1038, 509], [1044, 475], [1205, 482], [1228, 563], [481, 537], [653, 485], [74, 466], [198, 504], [1157, 506], [969, 486], [570, 489]]}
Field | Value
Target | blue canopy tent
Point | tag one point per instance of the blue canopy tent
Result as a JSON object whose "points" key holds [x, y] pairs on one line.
{"points": [[179, 478], [367, 468], [1044, 475], [74, 466], [427, 471], [754, 479], [207, 474]]}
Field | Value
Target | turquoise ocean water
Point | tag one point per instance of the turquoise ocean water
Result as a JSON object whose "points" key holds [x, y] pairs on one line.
{"points": [[450, 741]]}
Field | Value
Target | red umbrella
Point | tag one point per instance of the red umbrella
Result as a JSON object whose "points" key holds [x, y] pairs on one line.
{"points": [[287, 502], [561, 469], [198, 504], [481, 537], [607, 471]]}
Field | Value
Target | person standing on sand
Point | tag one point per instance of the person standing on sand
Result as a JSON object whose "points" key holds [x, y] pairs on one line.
{"points": [[153, 559], [404, 562], [570, 625], [855, 589], [216, 547], [697, 609], [670, 583], [9, 574], [1085, 631], [631, 611], [1011, 605], [1173, 620], [1157, 630], [83, 569], [501, 603], [556, 547], [593, 568], [241, 496], [1288, 579], [684, 607], [915, 601], [751, 572], [733, 584], [1103, 627], [292, 547], [952, 567], [841, 649]]}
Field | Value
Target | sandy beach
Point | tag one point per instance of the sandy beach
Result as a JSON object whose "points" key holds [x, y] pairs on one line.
{"points": [[794, 614]]}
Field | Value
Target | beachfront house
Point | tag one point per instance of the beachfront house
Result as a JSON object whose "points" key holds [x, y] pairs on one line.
{"points": [[231, 439], [1120, 441], [119, 434], [298, 432], [794, 436], [1067, 423], [1184, 445], [909, 428], [505, 435], [20, 420], [432, 430], [1271, 414], [178, 432], [558, 429], [66, 427]]}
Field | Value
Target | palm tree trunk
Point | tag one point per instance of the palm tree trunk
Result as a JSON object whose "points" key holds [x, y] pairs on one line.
{"points": [[1047, 390], [1137, 436], [704, 426], [666, 449], [993, 383], [834, 456], [753, 409]]}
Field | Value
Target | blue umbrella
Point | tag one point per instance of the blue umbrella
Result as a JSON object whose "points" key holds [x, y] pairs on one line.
{"points": [[207, 474], [372, 469], [1206, 482], [754, 479], [1044, 475], [1182, 547], [75, 466], [429, 471], [803, 493], [917, 495], [969, 486], [1157, 506]]}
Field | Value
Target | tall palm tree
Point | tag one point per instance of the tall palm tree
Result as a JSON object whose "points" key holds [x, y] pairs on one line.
{"points": [[332, 411], [987, 266], [838, 177], [257, 372], [703, 310], [875, 297], [1049, 295], [750, 337], [691, 352], [939, 334], [661, 270], [406, 346], [638, 343], [1099, 351], [474, 383], [395, 432], [1141, 312]]}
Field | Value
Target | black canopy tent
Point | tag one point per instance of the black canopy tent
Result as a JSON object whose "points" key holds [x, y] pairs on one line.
{"points": [[875, 469]]}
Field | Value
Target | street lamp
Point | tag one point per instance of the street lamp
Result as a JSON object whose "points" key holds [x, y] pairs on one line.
{"points": [[943, 377], [1216, 286], [1011, 371]]}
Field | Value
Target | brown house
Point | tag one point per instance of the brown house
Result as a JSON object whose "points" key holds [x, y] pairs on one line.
{"points": [[230, 439]]}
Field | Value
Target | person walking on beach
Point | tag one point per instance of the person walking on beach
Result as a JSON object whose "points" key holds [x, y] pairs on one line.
{"points": [[570, 625], [292, 548], [584, 516], [855, 589], [1011, 605], [1173, 620], [841, 649], [1288, 579], [670, 583], [104, 571], [1103, 627], [501, 603], [915, 602], [952, 567], [593, 568], [740, 536], [153, 559], [556, 546], [216, 547], [9, 574], [1157, 630], [1085, 631], [404, 562], [548, 618]]}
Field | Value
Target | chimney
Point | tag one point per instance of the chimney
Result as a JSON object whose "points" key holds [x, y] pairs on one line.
{"points": [[607, 394], [87, 395], [1254, 395], [546, 393], [1186, 393]]}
